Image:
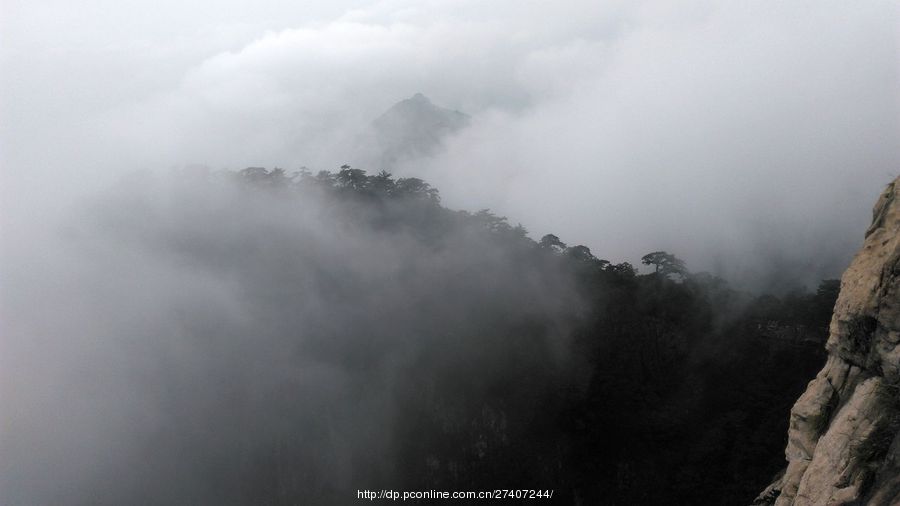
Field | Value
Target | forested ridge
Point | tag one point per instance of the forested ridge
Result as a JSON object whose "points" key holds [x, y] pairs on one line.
{"points": [[374, 339]]}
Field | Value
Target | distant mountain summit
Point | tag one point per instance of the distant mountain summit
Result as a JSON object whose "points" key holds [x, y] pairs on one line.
{"points": [[414, 128]]}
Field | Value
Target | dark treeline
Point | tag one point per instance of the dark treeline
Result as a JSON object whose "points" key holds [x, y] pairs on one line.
{"points": [[373, 339]]}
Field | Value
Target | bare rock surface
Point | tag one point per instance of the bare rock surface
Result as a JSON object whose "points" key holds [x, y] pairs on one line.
{"points": [[844, 434]]}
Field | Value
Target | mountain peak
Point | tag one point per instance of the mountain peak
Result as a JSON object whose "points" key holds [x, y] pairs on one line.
{"points": [[415, 127], [420, 111]]}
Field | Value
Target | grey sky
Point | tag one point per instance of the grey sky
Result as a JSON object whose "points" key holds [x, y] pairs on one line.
{"points": [[749, 138], [707, 128]]}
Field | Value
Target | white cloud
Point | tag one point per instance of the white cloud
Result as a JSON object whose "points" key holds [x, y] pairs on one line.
{"points": [[625, 126]]}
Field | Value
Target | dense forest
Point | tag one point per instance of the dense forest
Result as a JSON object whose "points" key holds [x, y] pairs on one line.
{"points": [[342, 331]]}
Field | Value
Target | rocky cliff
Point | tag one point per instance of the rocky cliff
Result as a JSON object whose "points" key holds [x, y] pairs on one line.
{"points": [[844, 434]]}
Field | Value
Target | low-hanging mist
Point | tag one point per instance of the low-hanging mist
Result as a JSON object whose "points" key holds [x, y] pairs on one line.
{"points": [[260, 338], [217, 342], [693, 179], [718, 131]]}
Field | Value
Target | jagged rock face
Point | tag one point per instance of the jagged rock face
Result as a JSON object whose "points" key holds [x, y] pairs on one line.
{"points": [[844, 434]]}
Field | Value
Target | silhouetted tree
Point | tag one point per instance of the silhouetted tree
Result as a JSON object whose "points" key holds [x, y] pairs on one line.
{"points": [[383, 182], [415, 187], [354, 179], [665, 264], [552, 243], [506, 364]]}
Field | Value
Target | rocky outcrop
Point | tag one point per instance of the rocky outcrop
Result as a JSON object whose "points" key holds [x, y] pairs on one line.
{"points": [[844, 434]]}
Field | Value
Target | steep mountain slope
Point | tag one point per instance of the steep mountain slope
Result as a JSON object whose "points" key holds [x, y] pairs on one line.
{"points": [[844, 435]]}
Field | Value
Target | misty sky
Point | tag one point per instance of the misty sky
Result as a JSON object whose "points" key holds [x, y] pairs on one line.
{"points": [[749, 138], [746, 137]]}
